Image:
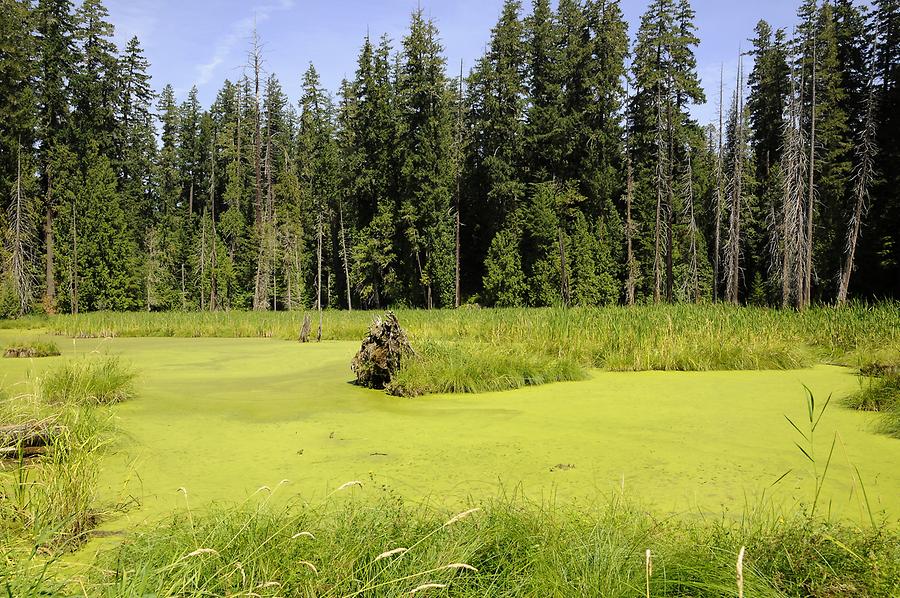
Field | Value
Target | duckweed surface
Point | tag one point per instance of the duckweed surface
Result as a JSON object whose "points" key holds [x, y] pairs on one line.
{"points": [[222, 418]]}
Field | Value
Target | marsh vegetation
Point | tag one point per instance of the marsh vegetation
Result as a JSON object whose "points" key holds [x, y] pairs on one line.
{"points": [[639, 430]]}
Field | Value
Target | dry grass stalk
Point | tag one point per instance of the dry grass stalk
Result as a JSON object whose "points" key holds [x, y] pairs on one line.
{"points": [[428, 586], [461, 516], [390, 553], [648, 566], [461, 566], [740, 572]]}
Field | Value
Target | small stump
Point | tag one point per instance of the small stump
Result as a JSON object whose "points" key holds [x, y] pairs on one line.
{"points": [[382, 351]]}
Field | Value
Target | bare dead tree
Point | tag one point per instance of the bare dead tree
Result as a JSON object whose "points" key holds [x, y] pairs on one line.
{"points": [[720, 189], [733, 242], [811, 190], [787, 230], [692, 281], [20, 241], [319, 276], [660, 191], [631, 264], [213, 283], [261, 280], [73, 266], [862, 177], [344, 254], [459, 159]]}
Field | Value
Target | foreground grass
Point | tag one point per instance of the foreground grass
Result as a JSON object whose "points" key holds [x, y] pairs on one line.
{"points": [[503, 548], [472, 350]]}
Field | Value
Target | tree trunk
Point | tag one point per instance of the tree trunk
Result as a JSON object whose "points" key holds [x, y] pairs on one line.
{"points": [[563, 270], [810, 208], [319, 278], [717, 250], [629, 226], [346, 257], [49, 276], [866, 151]]}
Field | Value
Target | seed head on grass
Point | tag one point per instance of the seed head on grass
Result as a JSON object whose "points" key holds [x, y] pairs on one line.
{"points": [[348, 485], [428, 586], [390, 553], [460, 516]]}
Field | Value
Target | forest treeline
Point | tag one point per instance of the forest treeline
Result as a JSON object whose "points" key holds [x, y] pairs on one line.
{"points": [[564, 168]]}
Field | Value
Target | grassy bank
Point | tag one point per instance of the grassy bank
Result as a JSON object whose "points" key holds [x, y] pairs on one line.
{"points": [[510, 548], [488, 349]]}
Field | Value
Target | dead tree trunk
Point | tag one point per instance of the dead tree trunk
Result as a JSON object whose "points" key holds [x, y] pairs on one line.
{"points": [[346, 257], [459, 153], [733, 244], [319, 278], [629, 229], [717, 249], [50, 267], [811, 202], [660, 181], [19, 241], [692, 282], [863, 178]]}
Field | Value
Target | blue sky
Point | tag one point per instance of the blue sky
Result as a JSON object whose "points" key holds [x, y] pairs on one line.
{"points": [[203, 42]]}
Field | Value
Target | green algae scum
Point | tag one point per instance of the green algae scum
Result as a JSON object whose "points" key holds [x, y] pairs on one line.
{"points": [[233, 446]]}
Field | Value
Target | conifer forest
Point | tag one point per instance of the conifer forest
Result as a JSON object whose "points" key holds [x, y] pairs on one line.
{"points": [[563, 168]]}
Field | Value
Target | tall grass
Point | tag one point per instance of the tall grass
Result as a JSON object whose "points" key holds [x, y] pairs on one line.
{"points": [[490, 349], [645, 337], [508, 547]]}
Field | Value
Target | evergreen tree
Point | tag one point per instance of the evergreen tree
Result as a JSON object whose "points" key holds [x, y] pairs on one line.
{"points": [[135, 138], [107, 265], [55, 30], [494, 118], [426, 172], [94, 86]]}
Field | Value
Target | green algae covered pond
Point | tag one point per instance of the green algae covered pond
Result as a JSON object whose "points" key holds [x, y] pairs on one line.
{"points": [[221, 418]]}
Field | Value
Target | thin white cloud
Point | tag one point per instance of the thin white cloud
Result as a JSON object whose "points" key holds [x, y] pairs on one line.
{"points": [[238, 32], [135, 18]]}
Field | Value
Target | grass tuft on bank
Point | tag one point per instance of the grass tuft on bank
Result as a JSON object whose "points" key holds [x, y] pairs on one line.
{"points": [[101, 381], [31, 348], [880, 394]]}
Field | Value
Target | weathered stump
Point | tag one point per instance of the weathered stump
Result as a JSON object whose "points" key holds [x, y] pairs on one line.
{"points": [[382, 352], [304, 331], [27, 439]]}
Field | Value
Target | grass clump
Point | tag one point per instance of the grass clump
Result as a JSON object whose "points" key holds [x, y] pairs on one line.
{"points": [[31, 348], [102, 381], [505, 548], [882, 395], [459, 367]]}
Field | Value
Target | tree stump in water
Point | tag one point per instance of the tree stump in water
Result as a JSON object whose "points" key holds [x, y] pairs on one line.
{"points": [[304, 331], [27, 439], [382, 351]]}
